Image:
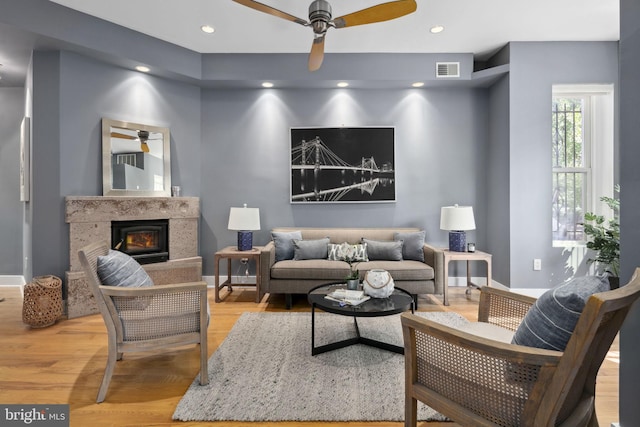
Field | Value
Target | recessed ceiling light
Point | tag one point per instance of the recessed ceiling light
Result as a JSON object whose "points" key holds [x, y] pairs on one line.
{"points": [[143, 69], [267, 84], [437, 29], [343, 84], [208, 29], [417, 84]]}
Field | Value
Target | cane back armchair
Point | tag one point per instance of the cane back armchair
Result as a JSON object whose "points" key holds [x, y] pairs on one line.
{"points": [[149, 318], [478, 381]]}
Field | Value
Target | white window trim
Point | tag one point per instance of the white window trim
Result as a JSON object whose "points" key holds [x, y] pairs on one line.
{"points": [[600, 156]]}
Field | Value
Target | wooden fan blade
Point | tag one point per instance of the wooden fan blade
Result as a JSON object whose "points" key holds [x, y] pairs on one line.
{"points": [[271, 11], [144, 146], [379, 13], [317, 53], [122, 135]]}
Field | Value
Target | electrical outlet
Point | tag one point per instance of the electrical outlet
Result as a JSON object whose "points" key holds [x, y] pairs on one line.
{"points": [[537, 264]]}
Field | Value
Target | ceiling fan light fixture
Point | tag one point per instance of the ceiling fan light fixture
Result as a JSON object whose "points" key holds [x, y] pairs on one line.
{"points": [[436, 29], [207, 29], [320, 16], [143, 69], [321, 19]]}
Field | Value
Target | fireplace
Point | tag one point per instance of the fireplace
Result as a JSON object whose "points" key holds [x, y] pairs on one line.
{"points": [[145, 240]]}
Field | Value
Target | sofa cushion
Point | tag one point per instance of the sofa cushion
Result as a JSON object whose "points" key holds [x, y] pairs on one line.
{"points": [[283, 241], [310, 249], [346, 251], [550, 321], [383, 250], [401, 270], [413, 244], [310, 269]]}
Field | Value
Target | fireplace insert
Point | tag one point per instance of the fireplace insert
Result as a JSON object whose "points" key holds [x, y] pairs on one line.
{"points": [[147, 241]]}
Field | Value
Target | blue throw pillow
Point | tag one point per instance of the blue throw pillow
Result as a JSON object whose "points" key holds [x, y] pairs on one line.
{"points": [[310, 249], [283, 241], [413, 244], [383, 250], [119, 269], [550, 322]]}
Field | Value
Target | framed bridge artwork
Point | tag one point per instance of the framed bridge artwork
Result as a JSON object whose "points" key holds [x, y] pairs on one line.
{"points": [[343, 165]]}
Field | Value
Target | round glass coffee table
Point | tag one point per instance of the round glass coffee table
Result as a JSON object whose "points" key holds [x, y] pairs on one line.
{"points": [[398, 302]]}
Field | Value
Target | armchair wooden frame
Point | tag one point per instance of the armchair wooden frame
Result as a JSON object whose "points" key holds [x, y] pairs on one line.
{"points": [[481, 382], [147, 319]]}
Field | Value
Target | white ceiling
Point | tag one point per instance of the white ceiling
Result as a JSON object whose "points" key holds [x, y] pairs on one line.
{"points": [[471, 26]]}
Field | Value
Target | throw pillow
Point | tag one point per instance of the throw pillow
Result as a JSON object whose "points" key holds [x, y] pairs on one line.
{"points": [[383, 251], [550, 321], [346, 251], [310, 249], [119, 269], [413, 243], [283, 241]]}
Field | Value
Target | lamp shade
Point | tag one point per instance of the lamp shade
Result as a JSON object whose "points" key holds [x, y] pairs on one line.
{"points": [[244, 219], [457, 218]]}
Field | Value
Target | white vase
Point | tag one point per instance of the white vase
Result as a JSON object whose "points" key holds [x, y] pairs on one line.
{"points": [[378, 283]]}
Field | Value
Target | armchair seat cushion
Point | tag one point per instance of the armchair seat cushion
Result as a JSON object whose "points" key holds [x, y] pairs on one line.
{"points": [[488, 331]]}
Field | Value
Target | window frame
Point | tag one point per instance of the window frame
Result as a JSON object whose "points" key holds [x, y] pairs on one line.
{"points": [[598, 147]]}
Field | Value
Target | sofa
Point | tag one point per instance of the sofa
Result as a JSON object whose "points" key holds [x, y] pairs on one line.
{"points": [[294, 261]]}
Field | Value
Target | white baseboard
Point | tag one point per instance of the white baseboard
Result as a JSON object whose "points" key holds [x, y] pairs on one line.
{"points": [[12, 281], [480, 281], [615, 424]]}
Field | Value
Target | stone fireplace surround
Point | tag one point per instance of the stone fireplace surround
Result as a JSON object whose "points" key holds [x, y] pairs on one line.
{"points": [[89, 220]]}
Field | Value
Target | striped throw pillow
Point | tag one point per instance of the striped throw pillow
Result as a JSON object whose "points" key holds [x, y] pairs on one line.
{"points": [[550, 322], [119, 269]]}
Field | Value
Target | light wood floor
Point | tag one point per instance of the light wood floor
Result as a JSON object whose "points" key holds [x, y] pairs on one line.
{"points": [[64, 363]]}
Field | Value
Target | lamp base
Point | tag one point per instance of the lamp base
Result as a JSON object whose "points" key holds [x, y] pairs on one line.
{"points": [[457, 241], [245, 240]]}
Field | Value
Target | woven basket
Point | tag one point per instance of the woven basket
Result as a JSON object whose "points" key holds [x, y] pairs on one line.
{"points": [[42, 301]]}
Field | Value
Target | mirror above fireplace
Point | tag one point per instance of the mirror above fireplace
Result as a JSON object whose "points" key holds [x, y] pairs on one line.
{"points": [[135, 159]]}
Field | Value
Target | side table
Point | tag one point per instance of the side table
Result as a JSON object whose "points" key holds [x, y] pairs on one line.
{"points": [[464, 256], [230, 253]]}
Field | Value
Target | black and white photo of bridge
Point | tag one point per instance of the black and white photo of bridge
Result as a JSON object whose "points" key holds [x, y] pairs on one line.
{"points": [[342, 164]]}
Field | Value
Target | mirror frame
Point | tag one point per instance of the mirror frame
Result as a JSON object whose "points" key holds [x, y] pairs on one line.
{"points": [[107, 175]]}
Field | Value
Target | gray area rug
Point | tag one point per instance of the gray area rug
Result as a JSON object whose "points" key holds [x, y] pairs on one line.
{"points": [[264, 371]]}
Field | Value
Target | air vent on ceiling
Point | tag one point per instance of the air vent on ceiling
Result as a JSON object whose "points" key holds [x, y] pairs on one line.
{"points": [[447, 69]]}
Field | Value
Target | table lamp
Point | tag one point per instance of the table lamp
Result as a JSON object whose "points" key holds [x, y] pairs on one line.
{"points": [[244, 220], [457, 219]]}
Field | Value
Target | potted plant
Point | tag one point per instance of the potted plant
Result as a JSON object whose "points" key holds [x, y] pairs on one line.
{"points": [[351, 258], [603, 237]]}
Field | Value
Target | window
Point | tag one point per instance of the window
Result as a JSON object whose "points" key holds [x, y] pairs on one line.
{"points": [[582, 157]]}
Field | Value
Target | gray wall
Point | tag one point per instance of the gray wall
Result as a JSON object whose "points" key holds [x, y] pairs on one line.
{"points": [[71, 95], [11, 209], [534, 68], [440, 154], [236, 141], [629, 203], [497, 181]]}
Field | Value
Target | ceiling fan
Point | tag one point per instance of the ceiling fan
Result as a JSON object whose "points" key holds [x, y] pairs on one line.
{"points": [[320, 20], [141, 135]]}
